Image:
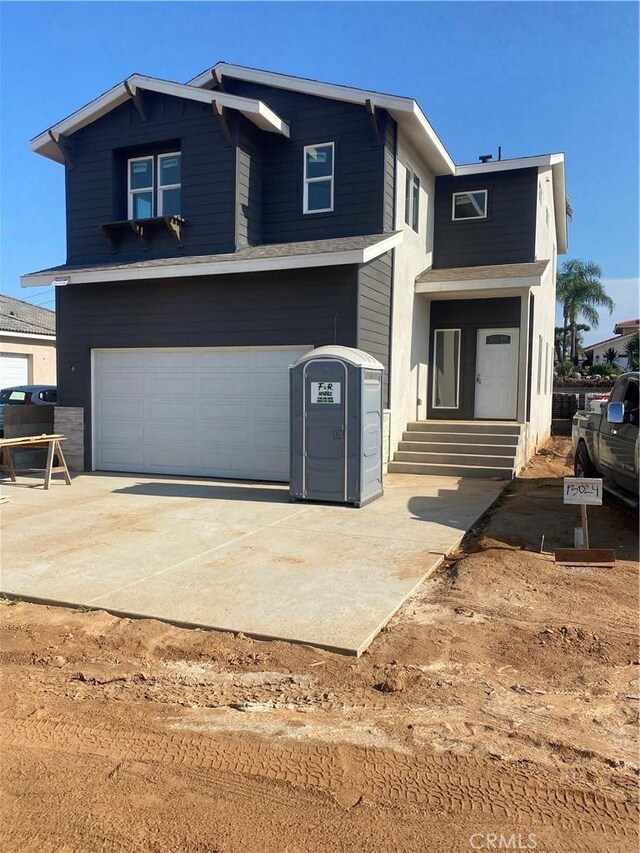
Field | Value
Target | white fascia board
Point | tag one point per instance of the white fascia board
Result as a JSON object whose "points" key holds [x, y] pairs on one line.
{"points": [[256, 111], [477, 284], [403, 110], [560, 205], [321, 259], [506, 165], [30, 335]]}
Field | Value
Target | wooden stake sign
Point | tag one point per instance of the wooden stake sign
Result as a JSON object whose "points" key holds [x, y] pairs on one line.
{"points": [[584, 492]]}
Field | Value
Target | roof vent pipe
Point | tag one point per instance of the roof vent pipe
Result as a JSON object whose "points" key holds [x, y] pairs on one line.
{"points": [[484, 158]]}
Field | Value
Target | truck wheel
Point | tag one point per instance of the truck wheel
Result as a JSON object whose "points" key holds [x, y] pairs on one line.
{"points": [[583, 466]]}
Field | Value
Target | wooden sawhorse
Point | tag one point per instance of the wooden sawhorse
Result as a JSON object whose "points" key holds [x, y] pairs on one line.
{"points": [[52, 443]]}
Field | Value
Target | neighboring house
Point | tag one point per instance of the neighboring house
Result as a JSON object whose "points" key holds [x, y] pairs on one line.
{"points": [[218, 229], [623, 332], [27, 344]]}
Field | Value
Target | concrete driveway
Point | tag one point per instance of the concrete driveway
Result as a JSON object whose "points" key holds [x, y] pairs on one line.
{"points": [[234, 556]]}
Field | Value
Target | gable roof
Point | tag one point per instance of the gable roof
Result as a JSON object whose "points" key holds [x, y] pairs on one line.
{"points": [[46, 143], [405, 111], [18, 316]]}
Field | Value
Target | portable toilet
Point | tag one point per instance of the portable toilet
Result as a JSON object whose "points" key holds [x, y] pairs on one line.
{"points": [[336, 426]]}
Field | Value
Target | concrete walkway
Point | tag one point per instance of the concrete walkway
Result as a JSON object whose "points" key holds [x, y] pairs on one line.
{"points": [[234, 556]]}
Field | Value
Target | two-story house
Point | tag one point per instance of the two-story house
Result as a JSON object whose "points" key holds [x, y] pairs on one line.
{"points": [[218, 229]]}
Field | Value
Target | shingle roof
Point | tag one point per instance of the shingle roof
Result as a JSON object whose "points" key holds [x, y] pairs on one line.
{"points": [[19, 316], [536, 268], [251, 253], [628, 323]]}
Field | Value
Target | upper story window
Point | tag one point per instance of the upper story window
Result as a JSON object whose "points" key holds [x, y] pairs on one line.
{"points": [[469, 205], [412, 199], [318, 178], [154, 186]]}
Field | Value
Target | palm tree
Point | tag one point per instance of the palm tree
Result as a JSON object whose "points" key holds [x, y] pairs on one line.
{"points": [[580, 291], [610, 355], [632, 351]]}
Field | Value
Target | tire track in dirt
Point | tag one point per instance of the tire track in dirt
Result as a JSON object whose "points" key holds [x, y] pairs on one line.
{"points": [[446, 784]]}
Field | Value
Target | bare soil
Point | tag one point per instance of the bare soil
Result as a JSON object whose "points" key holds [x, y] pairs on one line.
{"points": [[498, 710]]}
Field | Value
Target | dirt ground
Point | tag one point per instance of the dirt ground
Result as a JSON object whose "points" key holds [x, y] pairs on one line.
{"points": [[498, 710]]}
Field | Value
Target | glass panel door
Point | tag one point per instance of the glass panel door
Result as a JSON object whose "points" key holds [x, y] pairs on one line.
{"points": [[446, 369]]}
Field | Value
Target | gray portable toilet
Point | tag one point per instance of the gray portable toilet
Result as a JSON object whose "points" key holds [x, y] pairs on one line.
{"points": [[336, 426]]}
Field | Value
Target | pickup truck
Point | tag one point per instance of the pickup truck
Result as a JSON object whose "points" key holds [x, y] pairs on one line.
{"points": [[605, 444]]}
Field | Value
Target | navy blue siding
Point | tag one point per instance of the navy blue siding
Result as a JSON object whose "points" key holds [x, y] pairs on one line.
{"points": [[284, 308], [359, 166], [374, 312], [506, 236], [390, 142], [97, 181]]}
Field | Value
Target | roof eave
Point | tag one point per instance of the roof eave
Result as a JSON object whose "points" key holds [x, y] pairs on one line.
{"points": [[46, 143]]}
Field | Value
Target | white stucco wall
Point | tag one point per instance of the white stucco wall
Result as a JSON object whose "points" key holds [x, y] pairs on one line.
{"points": [[618, 344], [410, 313], [542, 355]]}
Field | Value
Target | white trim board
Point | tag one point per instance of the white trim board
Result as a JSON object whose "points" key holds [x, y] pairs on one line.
{"points": [[404, 110], [255, 111], [321, 259], [478, 284]]}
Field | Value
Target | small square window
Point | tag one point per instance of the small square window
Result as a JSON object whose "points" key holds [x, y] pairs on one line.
{"points": [[469, 205], [318, 178]]}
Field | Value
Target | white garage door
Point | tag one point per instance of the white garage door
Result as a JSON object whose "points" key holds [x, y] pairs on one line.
{"points": [[201, 412], [14, 370]]}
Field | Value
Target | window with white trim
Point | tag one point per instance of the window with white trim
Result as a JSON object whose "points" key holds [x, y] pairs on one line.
{"points": [[318, 174], [446, 369], [469, 205], [412, 199], [154, 186]]}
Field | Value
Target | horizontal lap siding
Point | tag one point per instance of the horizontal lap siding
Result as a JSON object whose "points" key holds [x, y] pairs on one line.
{"points": [[508, 233], [249, 186], [359, 194], [374, 312], [97, 182], [286, 308]]}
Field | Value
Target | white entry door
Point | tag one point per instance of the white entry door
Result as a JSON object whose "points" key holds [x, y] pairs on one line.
{"points": [[202, 412], [497, 374]]}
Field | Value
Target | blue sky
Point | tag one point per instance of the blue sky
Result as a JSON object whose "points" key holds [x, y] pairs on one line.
{"points": [[531, 77]]}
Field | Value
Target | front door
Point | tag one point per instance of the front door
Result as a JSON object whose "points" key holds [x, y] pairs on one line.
{"points": [[497, 374]]}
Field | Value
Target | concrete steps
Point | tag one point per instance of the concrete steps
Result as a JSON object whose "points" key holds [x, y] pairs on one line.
{"points": [[488, 450]]}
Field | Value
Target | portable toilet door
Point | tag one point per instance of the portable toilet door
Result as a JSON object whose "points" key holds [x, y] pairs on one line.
{"points": [[324, 449]]}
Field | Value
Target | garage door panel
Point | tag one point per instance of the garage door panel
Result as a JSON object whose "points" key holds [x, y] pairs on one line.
{"points": [[14, 370], [171, 385], [213, 412]]}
